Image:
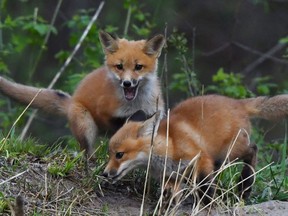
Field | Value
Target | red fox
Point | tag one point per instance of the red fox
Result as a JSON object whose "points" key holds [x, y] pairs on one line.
{"points": [[107, 96], [204, 124]]}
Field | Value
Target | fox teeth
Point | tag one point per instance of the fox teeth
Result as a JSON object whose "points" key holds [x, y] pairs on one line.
{"points": [[130, 93]]}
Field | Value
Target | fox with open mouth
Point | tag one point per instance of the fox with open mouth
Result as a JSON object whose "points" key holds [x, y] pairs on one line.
{"points": [[106, 97]]}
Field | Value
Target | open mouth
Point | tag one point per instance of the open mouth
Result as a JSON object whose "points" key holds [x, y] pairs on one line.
{"points": [[117, 177], [130, 92]]}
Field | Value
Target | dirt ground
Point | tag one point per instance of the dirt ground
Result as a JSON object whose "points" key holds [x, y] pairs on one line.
{"points": [[122, 205], [44, 194]]}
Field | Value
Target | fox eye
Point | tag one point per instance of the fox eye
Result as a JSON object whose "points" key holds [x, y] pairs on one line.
{"points": [[119, 66], [119, 155], [138, 67]]}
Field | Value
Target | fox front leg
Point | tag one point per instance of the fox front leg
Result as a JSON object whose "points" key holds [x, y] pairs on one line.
{"points": [[83, 128]]}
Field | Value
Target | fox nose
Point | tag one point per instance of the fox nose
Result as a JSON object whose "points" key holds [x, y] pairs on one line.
{"points": [[127, 83]]}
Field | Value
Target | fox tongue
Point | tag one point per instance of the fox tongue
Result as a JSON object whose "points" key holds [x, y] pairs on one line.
{"points": [[130, 93]]}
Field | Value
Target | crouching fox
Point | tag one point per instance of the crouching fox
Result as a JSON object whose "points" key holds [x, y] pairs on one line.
{"points": [[128, 82], [204, 126]]}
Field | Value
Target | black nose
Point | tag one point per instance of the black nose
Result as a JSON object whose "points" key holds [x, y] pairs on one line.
{"points": [[105, 174], [127, 83]]}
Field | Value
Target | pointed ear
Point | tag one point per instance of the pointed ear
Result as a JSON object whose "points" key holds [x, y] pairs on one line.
{"points": [[149, 125], [138, 116], [109, 42], [154, 45]]}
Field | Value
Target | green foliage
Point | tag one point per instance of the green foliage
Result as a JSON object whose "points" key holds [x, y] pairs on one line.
{"points": [[264, 86], [62, 166], [185, 80], [229, 84], [232, 85], [23, 32], [142, 24], [227, 181], [284, 41], [61, 163], [272, 182], [13, 146], [20, 34], [4, 203], [91, 53]]}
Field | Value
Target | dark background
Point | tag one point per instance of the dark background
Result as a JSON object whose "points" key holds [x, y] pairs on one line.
{"points": [[229, 34]]}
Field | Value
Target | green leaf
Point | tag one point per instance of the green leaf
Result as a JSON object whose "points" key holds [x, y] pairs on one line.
{"points": [[283, 40], [3, 67]]}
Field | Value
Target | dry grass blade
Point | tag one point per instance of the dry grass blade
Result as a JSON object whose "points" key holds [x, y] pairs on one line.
{"points": [[191, 185], [166, 157], [19, 117], [148, 166], [188, 174], [13, 177]]}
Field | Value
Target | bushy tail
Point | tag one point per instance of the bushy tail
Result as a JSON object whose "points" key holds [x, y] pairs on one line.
{"points": [[48, 100], [267, 107]]}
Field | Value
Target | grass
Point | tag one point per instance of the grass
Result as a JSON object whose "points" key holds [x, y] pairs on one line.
{"points": [[51, 179], [273, 177], [54, 181], [226, 199]]}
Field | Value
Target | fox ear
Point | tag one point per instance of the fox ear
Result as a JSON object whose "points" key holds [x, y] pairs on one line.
{"points": [[154, 45], [149, 125], [138, 116], [108, 41]]}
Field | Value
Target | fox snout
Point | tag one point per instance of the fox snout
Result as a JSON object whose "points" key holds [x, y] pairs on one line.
{"points": [[111, 174], [129, 83], [130, 88]]}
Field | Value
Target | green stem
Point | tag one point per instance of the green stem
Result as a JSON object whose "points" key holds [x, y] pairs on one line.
{"points": [[1, 33], [45, 39], [128, 18], [284, 153]]}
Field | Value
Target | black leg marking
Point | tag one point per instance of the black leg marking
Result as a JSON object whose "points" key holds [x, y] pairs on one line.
{"points": [[247, 177], [206, 189]]}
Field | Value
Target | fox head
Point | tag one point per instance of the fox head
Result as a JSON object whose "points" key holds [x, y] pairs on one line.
{"points": [[131, 62], [130, 146]]}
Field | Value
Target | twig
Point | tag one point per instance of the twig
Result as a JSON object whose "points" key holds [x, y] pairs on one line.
{"points": [[217, 50], [164, 71], [13, 177], [266, 55], [67, 62], [256, 52], [128, 18], [193, 55], [188, 75], [261, 59], [46, 37]]}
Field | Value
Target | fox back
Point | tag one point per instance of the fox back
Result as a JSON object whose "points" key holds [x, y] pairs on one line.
{"points": [[207, 125]]}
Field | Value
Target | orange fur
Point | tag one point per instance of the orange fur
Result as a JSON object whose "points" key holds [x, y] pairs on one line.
{"points": [[208, 125], [128, 82]]}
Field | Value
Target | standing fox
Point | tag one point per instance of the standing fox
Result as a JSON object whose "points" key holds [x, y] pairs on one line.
{"points": [[107, 96], [206, 126]]}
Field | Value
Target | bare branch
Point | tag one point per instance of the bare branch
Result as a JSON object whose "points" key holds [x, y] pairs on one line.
{"points": [[67, 62], [266, 55]]}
